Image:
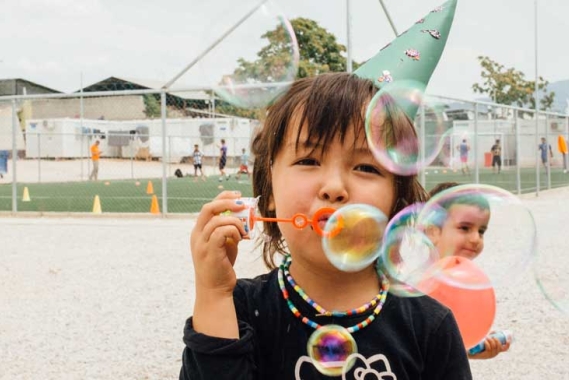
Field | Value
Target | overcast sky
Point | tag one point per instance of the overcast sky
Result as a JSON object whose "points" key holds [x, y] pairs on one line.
{"points": [[55, 42]]}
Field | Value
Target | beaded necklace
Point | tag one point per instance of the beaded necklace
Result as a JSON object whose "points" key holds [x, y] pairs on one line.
{"points": [[379, 299]]}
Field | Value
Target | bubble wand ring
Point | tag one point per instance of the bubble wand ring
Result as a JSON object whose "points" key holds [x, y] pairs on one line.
{"points": [[300, 221]]}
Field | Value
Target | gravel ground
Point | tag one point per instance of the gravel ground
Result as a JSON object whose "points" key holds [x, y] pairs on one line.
{"points": [[106, 298]]}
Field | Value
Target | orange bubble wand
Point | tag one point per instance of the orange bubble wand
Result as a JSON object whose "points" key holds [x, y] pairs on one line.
{"points": [[299, 220]]}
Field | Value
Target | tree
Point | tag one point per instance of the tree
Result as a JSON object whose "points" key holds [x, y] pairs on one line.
{"points": [[151, 106], [319, 53], [509, 86]]}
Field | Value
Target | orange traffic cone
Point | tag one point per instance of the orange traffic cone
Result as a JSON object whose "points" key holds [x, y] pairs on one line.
{"points": [[26, 195], [154, 207], [97, 205], [149, 188]]}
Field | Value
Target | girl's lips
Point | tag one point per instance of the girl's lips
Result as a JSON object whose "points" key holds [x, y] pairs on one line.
{"points": [[322, 220]]}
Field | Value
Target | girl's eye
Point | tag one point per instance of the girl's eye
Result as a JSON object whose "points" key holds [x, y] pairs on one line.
{"points": [[307, 162], [367, 169], [482, 232], [464, 228]]}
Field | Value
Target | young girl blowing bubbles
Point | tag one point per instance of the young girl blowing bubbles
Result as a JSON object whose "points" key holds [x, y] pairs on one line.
{"points": [[312, 153]]}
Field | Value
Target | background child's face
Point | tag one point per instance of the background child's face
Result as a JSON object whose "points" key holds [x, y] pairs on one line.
{"points": [[462, 233], [308, 179]]}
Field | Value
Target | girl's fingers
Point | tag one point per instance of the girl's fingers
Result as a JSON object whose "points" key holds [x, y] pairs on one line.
{"points": [[226, 201], [220, 221], [225, 235]]}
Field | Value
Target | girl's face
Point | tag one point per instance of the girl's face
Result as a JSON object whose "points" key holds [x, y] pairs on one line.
{"points": [[462, 233], [311, 177]]}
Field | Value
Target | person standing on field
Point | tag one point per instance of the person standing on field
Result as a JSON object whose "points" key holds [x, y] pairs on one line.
{"points": [[95, 155]]}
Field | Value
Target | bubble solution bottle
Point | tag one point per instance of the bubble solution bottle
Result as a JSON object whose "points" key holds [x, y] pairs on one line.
{"points": [[504, 337]]}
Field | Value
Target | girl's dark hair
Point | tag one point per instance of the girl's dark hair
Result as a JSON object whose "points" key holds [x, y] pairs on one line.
{"points": [[328, 105]]}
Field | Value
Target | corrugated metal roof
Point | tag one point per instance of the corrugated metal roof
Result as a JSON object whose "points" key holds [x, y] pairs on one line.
{"points": [[155, 85]]}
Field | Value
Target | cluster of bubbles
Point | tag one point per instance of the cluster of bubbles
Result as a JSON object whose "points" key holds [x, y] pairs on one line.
{"points": [[457, 248], [241, 69], [431, 248]]}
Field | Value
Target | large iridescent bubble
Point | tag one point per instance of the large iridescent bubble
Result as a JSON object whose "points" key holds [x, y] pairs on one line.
{"points": [[483, 223], [353, 235], [552, 276], [257, 61], [405, 133]]}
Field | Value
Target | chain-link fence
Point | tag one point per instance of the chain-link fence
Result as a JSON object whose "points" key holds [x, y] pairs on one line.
{"points": [[148, 138]]}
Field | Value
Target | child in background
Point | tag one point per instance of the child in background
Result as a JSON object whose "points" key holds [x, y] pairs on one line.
{"points": [[197, 158], [461, 233], [243, 165]]}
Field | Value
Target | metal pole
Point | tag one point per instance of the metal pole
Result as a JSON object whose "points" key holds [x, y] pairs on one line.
{"points": [[39, 157], [423, 146], [81, 117], [476, 163], [132, 160], [213, 45], [536, 105], [164, 156], [518, 155], [537, 155], [82, 152], [14, 158], [348, 36], [548, 163], [388, 18], [566, 156]]}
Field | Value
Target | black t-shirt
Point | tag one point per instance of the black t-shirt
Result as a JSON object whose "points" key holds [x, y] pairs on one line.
{"points": [[411, 339]]}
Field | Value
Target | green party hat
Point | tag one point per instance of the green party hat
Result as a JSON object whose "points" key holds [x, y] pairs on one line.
{"points": [[413, 55]]}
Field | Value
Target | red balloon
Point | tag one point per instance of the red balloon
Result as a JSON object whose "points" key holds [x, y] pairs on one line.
{"points": [[473, 309]]}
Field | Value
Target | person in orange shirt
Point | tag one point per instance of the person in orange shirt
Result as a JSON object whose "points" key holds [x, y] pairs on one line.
{"points": [[562, 146], [95, 155]]}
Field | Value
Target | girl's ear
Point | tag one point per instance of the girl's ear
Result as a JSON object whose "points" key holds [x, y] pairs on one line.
{"points": [[271, 205]]}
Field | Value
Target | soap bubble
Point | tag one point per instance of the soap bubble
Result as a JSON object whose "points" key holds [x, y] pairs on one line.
{"points": [[242, 70], [330, 348], [400, 140], [353, 236], [483, 223]]}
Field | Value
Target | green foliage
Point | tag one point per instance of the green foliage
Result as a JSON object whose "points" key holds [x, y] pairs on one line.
{"points": [[151, 106], [509, 86], [319, 53]]}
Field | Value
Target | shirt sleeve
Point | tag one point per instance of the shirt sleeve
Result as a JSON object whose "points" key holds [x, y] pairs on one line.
{"points": [[207, 357], [446, 355]]}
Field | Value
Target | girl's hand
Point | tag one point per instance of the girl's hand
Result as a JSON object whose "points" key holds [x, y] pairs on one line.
{"points": [[214, 244], [493, 347]]}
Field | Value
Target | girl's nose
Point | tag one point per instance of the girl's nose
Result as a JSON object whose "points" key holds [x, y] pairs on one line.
{"points": [[333, 188]]}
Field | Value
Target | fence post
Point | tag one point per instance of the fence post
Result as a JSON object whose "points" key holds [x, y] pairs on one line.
{"points": [[164, 156], [132, 159], [536, 113], [476, 163], [39, 157], [548, 163], [566, 156], [518, 155], [88, 146], [14, 158]]}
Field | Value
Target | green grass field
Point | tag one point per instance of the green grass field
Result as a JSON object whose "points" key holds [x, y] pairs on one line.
{"points": [[187, 196]]}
